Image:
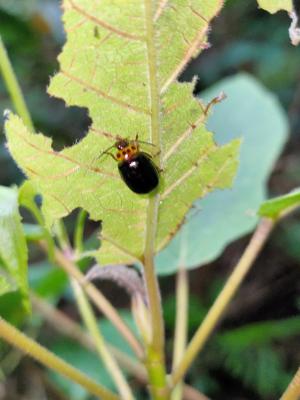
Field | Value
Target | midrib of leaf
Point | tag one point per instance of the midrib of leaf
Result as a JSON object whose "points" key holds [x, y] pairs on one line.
{"points": [[152, 212]]}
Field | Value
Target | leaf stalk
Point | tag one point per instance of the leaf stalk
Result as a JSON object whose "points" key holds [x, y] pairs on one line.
{"points": [[50, 360]]}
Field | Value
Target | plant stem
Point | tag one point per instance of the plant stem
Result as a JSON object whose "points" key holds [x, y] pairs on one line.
{"points": [[155, 359], [152, 282], [110, 363], [293, 390], [99, 300], [182, 297], [155, 352], [66, 326], [50, 360], [61, 233], [234, 281], [79, 229], [13, 87]]}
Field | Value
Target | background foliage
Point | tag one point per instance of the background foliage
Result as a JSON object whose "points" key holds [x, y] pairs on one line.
{"points": [[244, 40]]}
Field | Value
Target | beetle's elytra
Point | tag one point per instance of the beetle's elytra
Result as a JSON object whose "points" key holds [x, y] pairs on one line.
{"points": [[136, 168]]}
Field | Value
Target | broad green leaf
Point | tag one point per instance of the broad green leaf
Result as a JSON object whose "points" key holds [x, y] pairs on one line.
{"points": [[120, 61], [13, 249], [275, 5], [275, 207], [47, 280], [252, 112]]}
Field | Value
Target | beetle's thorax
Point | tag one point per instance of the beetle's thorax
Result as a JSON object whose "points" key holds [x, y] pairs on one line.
{"points": [[126, 149]]}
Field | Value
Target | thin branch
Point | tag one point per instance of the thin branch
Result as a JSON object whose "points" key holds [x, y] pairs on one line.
{"points": [[17, 339], [257, 242]]}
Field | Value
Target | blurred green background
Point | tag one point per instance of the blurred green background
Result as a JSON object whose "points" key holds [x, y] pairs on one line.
{"points": [[256, 350]]}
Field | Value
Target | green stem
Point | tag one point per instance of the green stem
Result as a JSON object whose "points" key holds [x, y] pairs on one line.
{"points": [[79, 229], [208, 325], [155, 354], [155, 360], [36, 212], [13, 87], [182, 296], [110, 363], [66, 326], [50, 360], [62, 235], [293, 390]]}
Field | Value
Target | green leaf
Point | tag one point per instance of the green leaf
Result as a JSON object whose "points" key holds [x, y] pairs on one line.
{"points": [[224, 216], [120, 61], [274, 208], [47, 280], [275, 5], [248, 354], [260, 333], [13, 249]]}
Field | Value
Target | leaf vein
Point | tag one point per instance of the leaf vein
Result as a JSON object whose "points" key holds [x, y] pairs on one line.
{"points": [[186, 58], [114, 100], [104, 24], [185, 176], [63, 156], [120, 248], [162, 5], [183, 137]]}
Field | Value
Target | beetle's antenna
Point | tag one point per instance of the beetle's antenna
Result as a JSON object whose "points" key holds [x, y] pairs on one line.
{"points": [[143, 142]]}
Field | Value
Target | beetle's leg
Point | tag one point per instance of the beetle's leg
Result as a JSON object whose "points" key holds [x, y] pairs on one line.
{"points": [[109, 154]]}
